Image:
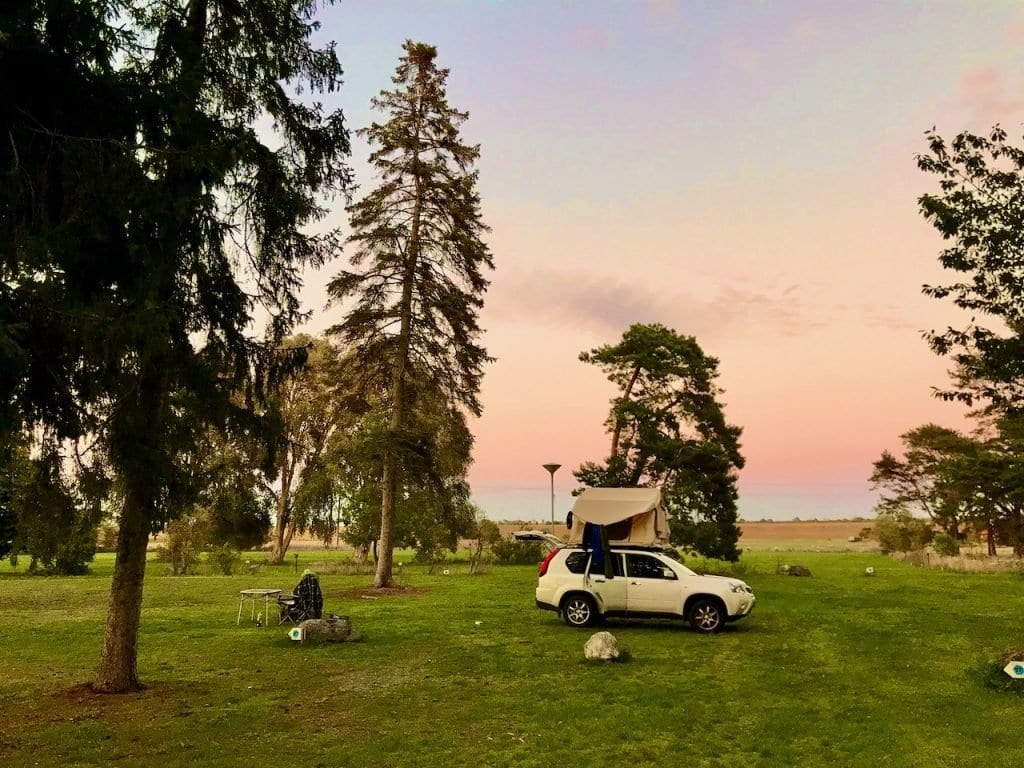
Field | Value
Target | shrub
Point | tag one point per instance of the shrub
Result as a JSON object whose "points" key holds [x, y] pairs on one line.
{"points": [[712, 567], [946, 545], [485, 535], [186, 538], [900, 532], [993, 675], [224, 559], [107, 540], [512, 552]]}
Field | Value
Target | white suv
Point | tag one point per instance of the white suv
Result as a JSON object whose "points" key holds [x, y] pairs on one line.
{"points": [[646, 583]]}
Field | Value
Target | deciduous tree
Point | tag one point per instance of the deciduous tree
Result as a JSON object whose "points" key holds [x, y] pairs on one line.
{"points": [[312, 406], [979, 211], [433, 509]]}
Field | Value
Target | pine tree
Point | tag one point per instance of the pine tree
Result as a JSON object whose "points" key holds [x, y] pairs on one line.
{"points": [[669, 430], [418, 269]]}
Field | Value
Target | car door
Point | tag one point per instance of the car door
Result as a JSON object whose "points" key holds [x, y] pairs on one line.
{"points": [[652, 587], [612, 592]]}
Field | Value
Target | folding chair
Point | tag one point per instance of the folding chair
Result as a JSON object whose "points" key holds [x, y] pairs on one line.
{"points": [[307, 602]]}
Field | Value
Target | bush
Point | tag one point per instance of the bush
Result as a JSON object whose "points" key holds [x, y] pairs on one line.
{"points": [[224, 559], [900, 532], [187, 537], [711, 567], [512, 552], [946, 545], [993, 675], [107, 540]]}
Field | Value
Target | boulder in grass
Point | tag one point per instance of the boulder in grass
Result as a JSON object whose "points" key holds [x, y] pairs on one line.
{"points": [[601, 646], [799, 570], [335, 629]]}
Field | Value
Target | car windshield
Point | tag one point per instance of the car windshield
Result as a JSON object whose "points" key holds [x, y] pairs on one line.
{"points": [[678, 562]]}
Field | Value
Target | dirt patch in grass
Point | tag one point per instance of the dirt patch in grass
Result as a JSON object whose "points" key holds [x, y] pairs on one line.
{"points": [[81, 703], [164, 694], [372, 593]]}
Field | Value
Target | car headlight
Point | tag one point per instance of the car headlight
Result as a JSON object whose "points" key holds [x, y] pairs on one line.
{"points": [[740, 588]]}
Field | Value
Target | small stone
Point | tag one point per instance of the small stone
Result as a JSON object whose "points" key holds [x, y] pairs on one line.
{"points": [[603, 646]]}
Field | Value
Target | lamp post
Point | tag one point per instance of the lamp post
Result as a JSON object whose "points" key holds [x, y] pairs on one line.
{"points": [[552, 468]]}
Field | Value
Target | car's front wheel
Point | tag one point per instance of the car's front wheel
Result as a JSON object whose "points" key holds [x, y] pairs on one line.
{"points": [[579, 611], [707, 616]]}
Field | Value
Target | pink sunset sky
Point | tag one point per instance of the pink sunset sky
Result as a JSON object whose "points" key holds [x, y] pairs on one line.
{"points": [[742, 172]]}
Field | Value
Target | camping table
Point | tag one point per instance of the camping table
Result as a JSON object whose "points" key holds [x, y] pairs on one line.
{"points": [[253, 595]]}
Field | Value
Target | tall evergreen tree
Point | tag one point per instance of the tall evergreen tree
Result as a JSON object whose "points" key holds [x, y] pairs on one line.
{"points": [[668, 429], [417, 281], [144, 222]]}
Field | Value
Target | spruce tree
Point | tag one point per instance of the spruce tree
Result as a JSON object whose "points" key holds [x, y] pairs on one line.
{"points": [[417, 278], [144, 223]]}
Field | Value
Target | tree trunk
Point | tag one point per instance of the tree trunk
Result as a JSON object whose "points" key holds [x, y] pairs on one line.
{"points": [[389, 481], [385, 552], [618, 423], [278, 548], [117, 671], [284, 522], [1016, 537], [991, 538]]}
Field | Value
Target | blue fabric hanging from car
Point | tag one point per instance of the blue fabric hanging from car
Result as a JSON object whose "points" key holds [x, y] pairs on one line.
{"points": [[595, 539]]}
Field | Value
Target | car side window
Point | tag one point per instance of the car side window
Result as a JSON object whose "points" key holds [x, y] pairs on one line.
{"points": [[576, 562], [647, 567], [616, 564]]}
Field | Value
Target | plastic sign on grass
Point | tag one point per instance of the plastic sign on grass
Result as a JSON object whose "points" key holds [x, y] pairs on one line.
{"points": [[1015, 669], [297, 633]]}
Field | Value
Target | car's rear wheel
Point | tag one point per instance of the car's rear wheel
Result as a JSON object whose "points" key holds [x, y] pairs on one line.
{"points": [[707, 616], [579, 611]]}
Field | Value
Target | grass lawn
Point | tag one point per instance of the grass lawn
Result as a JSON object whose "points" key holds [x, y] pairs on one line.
{"points": [[833, 670]]}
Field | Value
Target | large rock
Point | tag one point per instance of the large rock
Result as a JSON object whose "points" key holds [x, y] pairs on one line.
{"points": [[336, 629], [602, 646]]}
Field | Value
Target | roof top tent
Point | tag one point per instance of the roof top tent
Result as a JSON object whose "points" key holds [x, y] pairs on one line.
{"points": [[631, 516]]}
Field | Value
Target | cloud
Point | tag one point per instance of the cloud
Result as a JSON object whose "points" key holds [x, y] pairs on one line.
{"points": [[694, 305], [662, 14], [608, 305], [987, 94], [588, 38], [1015, 32], [741, 56]]}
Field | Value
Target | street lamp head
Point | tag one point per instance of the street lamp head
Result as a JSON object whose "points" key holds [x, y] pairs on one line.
{"points": [[552, 468]]}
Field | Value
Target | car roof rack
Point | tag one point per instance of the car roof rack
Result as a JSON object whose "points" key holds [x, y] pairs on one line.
{"points": [[634, 547]]}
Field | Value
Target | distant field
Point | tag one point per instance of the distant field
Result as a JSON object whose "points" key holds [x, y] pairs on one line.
{"points": [[825, 535], [833, 670]]}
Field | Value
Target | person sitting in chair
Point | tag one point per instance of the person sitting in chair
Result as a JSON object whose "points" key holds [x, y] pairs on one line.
{"points": [[306, 602]]}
